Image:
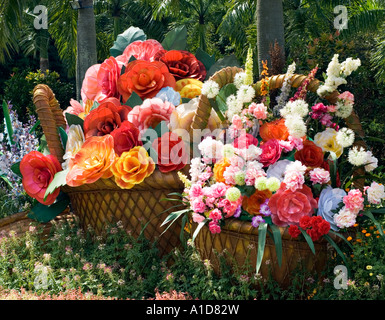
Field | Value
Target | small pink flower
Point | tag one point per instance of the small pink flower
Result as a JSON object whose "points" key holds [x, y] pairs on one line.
{"points": [[210, 201], [354, 201], [195, 190], [198, 218], [294, 180], [214, 227], [319, 175], [260, 111], [75, 108], [237, 122], [218, 189], [347, 96], [229, 174], [198, 205], [215, 214], [331, 108]]}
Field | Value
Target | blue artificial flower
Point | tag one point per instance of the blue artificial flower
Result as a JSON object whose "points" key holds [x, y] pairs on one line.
{"points": [[329, 200], [170, 95]]}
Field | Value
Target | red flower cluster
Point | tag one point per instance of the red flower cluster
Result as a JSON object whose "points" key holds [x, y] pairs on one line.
{"points": [[315, 227]]}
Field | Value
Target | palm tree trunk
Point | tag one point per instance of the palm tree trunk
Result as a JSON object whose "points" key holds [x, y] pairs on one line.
{"points": [[270, 28], [86, 43], [43, 49]]}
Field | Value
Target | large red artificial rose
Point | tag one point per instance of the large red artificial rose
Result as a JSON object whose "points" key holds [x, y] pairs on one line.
{"points": [[182, 64], [310, 155], [141, 50], [145, 78], [171, 152], [126, 137], [271, 152], [38, 172], [105, 118], [244, 141], [150, 113], [288, 207]]}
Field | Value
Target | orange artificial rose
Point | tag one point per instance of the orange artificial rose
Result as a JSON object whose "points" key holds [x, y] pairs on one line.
{"points": [[145, 78], [132, 167], [253, 203], [92, 161], [219, 169], [310, 155], [274, 130]]}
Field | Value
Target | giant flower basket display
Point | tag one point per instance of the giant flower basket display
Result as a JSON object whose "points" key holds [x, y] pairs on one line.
{"points": [[113, 156], [279, 184]]}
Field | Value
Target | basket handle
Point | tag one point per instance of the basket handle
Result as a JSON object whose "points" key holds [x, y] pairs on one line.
{"points": [[226, 75], [51, 117]]}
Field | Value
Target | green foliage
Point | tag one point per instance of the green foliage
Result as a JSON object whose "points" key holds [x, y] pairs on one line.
{"points": [[19, 88]]}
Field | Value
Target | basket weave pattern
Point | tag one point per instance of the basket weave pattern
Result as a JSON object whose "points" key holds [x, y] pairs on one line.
{"points": [[240, 238], [103, 202]]}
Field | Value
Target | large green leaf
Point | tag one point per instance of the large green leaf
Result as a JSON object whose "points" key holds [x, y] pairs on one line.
{"points": [[227, 61], [74, 119], [124, 39], [278, 242], [134, 100], [58, 181], [205, 58], [199, 227], [262, 230], [308, 240], [45, 214], [63, 136], [175, 39], [16, 169], [226, 91]]}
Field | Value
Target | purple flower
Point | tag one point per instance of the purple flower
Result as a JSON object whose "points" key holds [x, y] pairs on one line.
{"points": [[238, 212], [264, 208], [256, 221]]}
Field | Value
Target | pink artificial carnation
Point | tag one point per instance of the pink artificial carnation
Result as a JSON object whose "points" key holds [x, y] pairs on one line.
{"points": [[229, 174], [197, 205], [151, 113], [354, 201], [260, 111], [319, 175], [198, 218], [229, 207], [218, 189], [294, 180], [75, 108], [332, 108], [214, 227], [347, 96], [195, 191], [326, 120], [237, 122], [141, 50], [215, 214], [210, 201]]}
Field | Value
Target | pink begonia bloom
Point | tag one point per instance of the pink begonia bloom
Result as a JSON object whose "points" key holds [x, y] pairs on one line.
{"points": [[319, 175], [107, 77], [198, 218], [215, 214], [90, 83], [345, 218], [237, 122], [347, 96], [150, 113], [75, 108], [218, 189], [214, 227], [195, 190], [294, 180], [197, 205], [141, 50], [354, 201]]}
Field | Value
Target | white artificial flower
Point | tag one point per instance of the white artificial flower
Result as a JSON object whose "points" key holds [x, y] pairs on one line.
{"points": [[344, 110], [210, 88], [211, 148], [372, 161], [297, 107], [74, 143], [196, 169], [239, 79], [278, 169], [376, 193], [334, 67], [295, 166], [350, 65], [357, 157], [345, 137], [234, 106], [245, 93], [295, 125], [345, 218]]}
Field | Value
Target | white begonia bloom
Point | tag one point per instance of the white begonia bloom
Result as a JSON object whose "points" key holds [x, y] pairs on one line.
{"points": [[357, 156], [372, 161], [345, 137], [239, 79], [74, 143], [376, 193], [296, 126], [210, 88]]}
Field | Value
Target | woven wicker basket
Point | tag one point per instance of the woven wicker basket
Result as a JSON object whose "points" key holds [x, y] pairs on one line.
{"points": [[239, 238], [103, 202]]}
